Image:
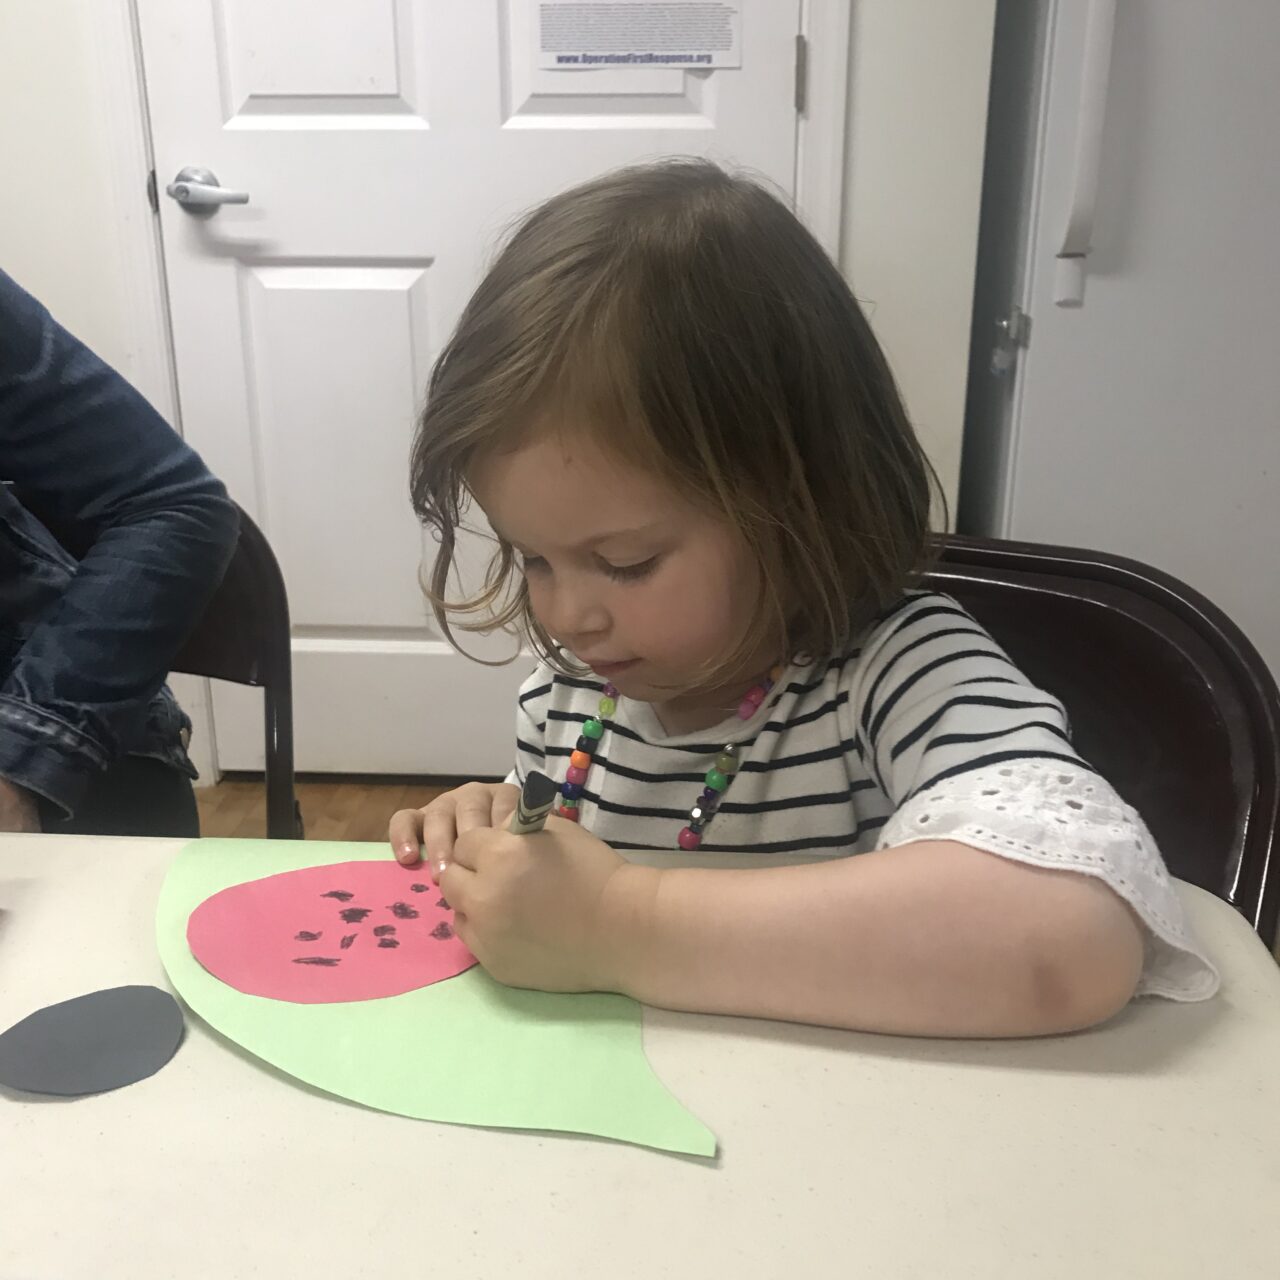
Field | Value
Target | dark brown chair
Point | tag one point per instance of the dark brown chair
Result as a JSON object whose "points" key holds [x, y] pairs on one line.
{"points": [[244, 637], [1167, 699]]}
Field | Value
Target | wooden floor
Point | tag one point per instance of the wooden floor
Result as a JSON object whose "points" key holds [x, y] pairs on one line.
{"points": [[345, 809]]}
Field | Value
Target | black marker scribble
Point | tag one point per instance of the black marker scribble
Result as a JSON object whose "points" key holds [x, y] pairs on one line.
{"points": [[384, 930], [327, 961], [341, 894], [347, 941], [443, 902], [418, 888], [353, 915], [403, 911], [305, 935], [443, 931], [387, 942]]}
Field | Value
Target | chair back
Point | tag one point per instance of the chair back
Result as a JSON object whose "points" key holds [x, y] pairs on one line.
{"points": [[244, 637], [1167, 699]]}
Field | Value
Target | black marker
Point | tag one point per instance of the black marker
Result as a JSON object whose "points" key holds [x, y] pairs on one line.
{"points": [[536, 801]]}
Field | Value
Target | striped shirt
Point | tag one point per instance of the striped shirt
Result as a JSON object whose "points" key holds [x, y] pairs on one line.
{"points": [[925, 729], [837, 747]]}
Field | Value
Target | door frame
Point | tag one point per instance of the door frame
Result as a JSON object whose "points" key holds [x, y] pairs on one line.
{"points": [[819, 179], [820, 138]]}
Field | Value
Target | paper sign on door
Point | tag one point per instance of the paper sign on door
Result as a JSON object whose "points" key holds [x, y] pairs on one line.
{"points": [[627, 34]]}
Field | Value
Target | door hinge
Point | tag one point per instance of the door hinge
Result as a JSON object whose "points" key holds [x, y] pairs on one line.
{"points": [[153, 196], [802, 73], [1012, 332]]}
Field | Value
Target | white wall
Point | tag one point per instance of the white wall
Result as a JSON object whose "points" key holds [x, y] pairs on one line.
{"points": [[913, 188]]}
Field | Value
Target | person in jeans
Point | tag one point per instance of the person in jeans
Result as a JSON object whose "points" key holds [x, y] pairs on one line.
{"points": [[113, 538]]}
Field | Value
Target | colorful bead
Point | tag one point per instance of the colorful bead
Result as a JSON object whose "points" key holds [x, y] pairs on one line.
{"points": [[716, 780], [750, 704]]}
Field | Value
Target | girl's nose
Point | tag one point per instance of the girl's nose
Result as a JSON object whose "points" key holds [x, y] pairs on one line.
{"points": [[571, 612]]}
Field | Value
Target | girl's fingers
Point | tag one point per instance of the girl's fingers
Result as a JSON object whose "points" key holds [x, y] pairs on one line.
{"points": [[474, 807], [405, 834], [505, 799], [429, 834], [439, 830], [456, 885]]}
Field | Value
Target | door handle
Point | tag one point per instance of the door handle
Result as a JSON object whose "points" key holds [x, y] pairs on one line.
{"points": [[198, 192]]}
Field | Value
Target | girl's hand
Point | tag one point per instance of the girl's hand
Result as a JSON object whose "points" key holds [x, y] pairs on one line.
{"points": [[541, 910], [436, 827]]}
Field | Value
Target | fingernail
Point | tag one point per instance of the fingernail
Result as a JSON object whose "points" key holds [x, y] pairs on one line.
{"points": [[440, 867]]}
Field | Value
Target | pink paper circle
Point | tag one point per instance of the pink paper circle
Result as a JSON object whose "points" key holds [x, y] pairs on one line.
{"points": [[320, 935]]}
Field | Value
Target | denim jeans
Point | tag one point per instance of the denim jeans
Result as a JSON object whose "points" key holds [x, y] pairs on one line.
{"points": [[113, 537]]}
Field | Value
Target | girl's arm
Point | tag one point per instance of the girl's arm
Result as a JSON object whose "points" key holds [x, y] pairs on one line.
{"points": [[930, 938]]}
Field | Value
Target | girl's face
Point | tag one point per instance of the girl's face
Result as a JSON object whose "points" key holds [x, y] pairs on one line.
{"points": [[634, 581]]}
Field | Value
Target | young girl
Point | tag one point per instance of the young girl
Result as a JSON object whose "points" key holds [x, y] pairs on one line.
{"points": [[710, 509]]}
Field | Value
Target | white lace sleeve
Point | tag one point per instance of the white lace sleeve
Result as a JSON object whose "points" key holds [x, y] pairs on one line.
{"points": [[1060, 816]]}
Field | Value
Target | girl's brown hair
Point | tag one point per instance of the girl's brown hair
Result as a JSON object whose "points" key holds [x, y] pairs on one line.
{"points": [[688, 314]]}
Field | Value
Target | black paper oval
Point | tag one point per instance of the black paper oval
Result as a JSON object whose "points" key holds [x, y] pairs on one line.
{"points": [[93, 1043]]}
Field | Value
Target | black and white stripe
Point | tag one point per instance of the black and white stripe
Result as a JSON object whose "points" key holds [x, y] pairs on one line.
{"points": [[926, 695]]}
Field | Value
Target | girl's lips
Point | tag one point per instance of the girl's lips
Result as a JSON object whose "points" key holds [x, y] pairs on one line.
{"points": [[612, 668]]}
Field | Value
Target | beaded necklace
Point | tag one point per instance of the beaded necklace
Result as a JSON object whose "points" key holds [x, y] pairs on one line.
{"points": [[716, 782]]}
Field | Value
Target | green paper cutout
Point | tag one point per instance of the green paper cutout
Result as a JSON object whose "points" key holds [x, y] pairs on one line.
{"points": [[467, 1050]]}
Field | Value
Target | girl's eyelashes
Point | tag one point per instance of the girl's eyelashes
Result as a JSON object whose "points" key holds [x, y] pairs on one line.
{"points": [[618, 572], [631, 572]]}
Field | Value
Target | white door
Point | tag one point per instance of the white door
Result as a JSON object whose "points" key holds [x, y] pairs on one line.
{"points": [[383, 147]]}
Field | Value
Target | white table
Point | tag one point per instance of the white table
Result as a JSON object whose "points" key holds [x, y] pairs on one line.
{"points": [[1148, 1148]]}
